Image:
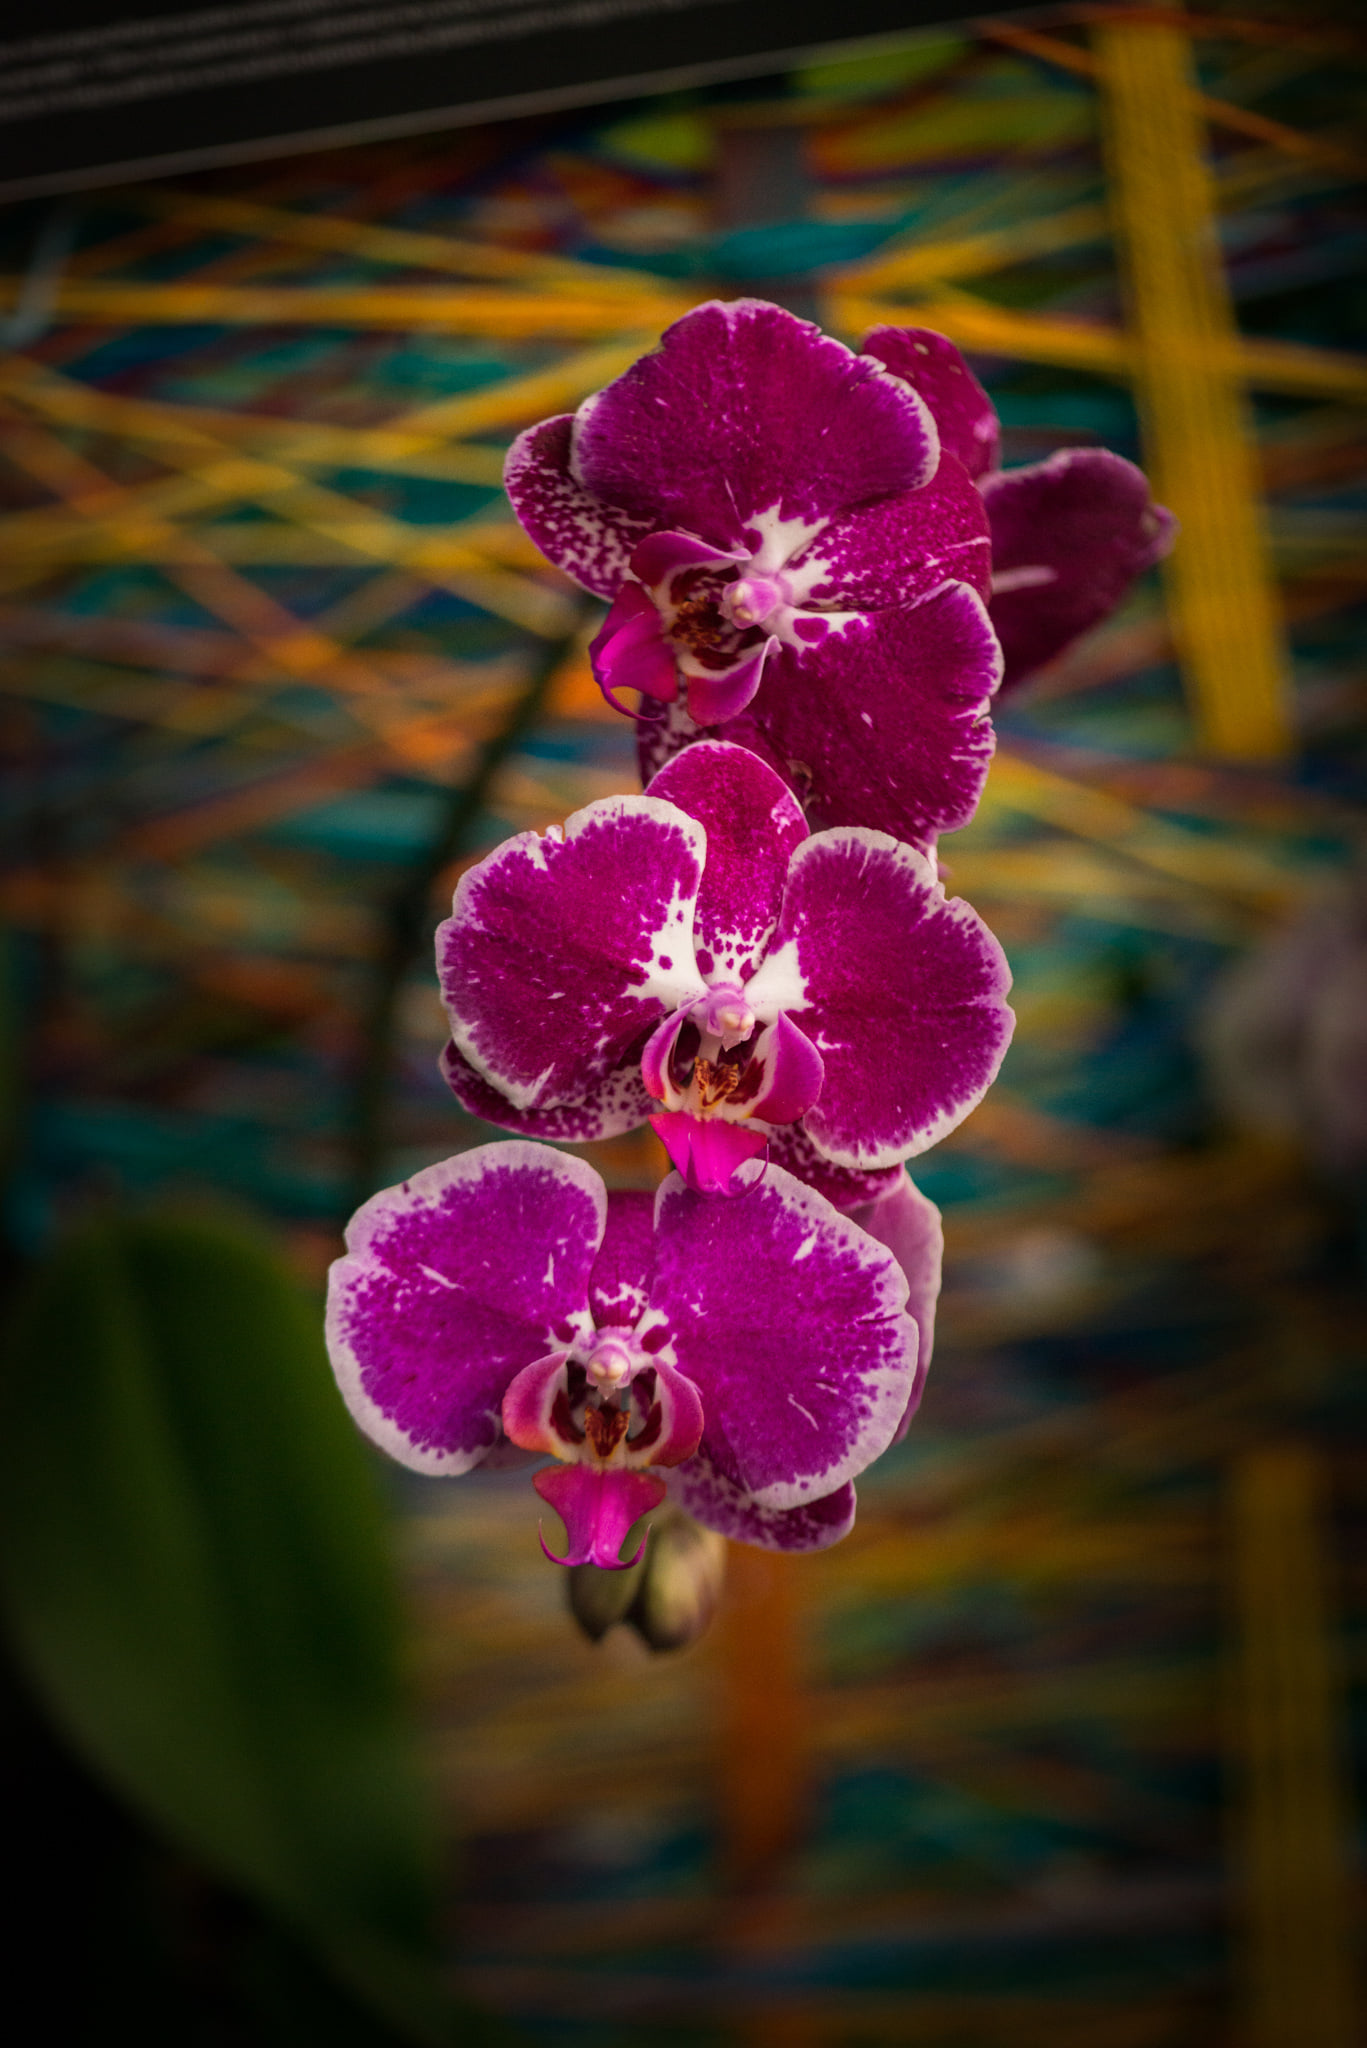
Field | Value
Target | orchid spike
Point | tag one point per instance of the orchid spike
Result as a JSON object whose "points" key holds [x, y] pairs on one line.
{"points": [[697, 956], [753, 1356], [785, 544]]}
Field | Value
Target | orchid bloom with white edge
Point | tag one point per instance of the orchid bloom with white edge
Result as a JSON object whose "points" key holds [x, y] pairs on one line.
{"points": [[753, 1356], [697, 956], [783, 540]]}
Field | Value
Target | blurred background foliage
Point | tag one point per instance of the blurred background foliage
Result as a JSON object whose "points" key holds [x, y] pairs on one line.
{"points": [[194, 1565], [275, 663]]}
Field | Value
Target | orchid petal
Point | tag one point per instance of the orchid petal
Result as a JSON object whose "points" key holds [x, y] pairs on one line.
{"points": [[629, 650], [704, 1492], [791, 1323], [664, 731], [561, 954], [887, 716], [901, 549], [933, 366], [713, 698], [1069, 536], [617, 1103], [451, 1285], [708, 1151], [597, 1509], [844, 1187], [747, 421], [588, 539], [620, 1279], [909, 1225], [753, 823], [902, 992]]}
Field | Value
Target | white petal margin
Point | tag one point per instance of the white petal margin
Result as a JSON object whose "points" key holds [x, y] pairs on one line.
{"points": [[706, 1494], [792, 1323], [367, 1240], [536, 954], [901, 989]]}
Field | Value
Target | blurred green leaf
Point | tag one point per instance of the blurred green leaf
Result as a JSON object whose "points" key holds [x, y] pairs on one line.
{"points": [[194, 1561]]}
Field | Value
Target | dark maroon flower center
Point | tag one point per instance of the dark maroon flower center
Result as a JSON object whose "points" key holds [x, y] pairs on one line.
{"points": [[697, 618], [601, 1418], [728, 1076]]}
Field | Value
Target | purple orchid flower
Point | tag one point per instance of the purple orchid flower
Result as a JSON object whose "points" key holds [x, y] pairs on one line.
{"points": [[759, 1352], [699, 957], [1069, 535], [783, 541]]}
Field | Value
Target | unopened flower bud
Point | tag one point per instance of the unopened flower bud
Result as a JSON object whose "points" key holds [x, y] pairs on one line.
{"points": [[600, 1599], [681, 1582]]}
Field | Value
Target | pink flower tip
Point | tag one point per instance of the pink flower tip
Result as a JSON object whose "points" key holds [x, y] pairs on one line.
{"points": [[709, 1151], [597, 1508]]}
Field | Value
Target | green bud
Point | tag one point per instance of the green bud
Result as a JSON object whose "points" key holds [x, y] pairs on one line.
{"points": [[669, 1598], [682, 1574], [599, 1599]]}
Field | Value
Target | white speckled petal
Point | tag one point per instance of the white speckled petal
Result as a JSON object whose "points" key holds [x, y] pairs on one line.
{"points": [[560, 955], [753, 823], [713, 1499], [904, 995], [451, 1285], [746, 411], [792, 1324], [588, 539]]}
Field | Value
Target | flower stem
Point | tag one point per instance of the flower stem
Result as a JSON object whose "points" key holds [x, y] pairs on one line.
{"points": [[410, 923]]}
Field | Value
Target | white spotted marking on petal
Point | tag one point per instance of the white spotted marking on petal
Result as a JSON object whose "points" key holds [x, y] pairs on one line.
{"points": [[780, 539], [779, 984], [830, 622], [805, 1413], [440, 1278]]}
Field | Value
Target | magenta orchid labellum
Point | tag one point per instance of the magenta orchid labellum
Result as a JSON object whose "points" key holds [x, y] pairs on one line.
{"points": [[698, 956], [753, 1356]]}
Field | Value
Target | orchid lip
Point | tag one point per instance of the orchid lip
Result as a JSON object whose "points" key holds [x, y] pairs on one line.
{"points": [[629, 651], [660, 554], [710, 1152], [597, 1509]]}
